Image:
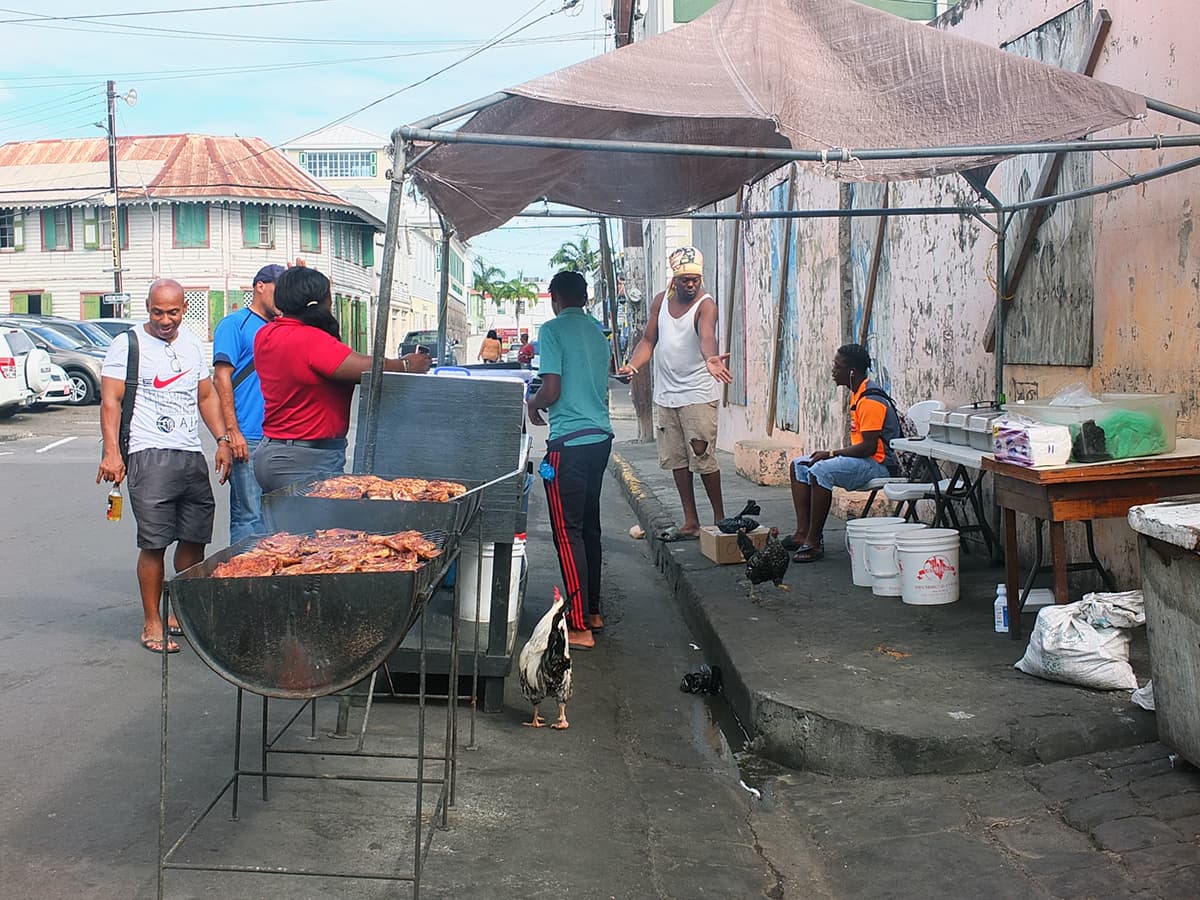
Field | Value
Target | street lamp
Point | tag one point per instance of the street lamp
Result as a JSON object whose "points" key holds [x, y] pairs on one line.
{"points": [[112, 199]]}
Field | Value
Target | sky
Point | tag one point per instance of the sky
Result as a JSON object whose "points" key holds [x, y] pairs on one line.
{"points": [[279, 69]]}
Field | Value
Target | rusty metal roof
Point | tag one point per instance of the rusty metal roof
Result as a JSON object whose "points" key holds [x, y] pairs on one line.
{"points": [[157, 167]]}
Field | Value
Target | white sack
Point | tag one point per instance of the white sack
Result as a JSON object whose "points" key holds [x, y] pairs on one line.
{"points": [[1064, 646]]}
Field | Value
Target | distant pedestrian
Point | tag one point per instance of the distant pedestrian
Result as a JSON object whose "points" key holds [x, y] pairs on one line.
{"points": [[526, 351], [681, 337], [237, 385], [308, 376], [574, 391], [491, 348], [168, 484], [873, 425]]}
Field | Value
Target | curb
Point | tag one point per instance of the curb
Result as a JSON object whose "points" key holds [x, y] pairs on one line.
{"points": [[803, 739]]}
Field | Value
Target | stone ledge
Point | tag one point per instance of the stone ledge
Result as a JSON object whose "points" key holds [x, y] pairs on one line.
{"points": [[764, 461]]}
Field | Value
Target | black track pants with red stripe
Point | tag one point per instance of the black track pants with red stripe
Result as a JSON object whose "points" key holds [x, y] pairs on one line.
{"points": [[573, 497]]}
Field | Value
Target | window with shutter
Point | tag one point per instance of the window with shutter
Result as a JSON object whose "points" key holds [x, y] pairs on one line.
{"points": [[368, 247], [106, 228], [56, 229], [190, 221], [89, 306], [310, 231], [8, 230]]}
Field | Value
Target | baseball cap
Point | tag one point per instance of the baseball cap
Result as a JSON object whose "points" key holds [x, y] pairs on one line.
{"points": [[269, 273]]}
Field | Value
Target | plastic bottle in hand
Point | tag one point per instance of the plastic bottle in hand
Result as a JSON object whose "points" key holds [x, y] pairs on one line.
{"points": [[115, 502]]}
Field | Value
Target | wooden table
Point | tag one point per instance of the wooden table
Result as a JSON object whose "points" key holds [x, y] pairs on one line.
{"points": [[1081, 492]]}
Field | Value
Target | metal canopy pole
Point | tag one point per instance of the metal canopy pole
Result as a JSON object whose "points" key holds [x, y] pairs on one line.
{"points": [[384, 307], [456, 113], [825, 157], [1003, 218], [443, 291]]}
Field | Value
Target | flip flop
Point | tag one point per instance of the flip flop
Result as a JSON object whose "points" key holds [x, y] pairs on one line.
{"points": [[811, 554], [674, 535], [155, 645], [174, 631], [790, 545]]}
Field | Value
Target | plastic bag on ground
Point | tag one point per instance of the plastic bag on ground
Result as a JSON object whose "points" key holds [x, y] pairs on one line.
{"points": [[1121, 609], [1144, 696], [1065, 646]]}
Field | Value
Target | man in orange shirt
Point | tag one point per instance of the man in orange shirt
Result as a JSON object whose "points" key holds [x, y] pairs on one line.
{"points": [[873, 424]]}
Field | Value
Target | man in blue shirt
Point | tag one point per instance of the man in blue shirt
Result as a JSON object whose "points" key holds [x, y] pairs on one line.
{"points": [[242, 400], [574, 391]]}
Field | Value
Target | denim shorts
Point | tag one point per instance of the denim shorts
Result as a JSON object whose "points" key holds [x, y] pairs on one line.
{"points": [[847, 472]]}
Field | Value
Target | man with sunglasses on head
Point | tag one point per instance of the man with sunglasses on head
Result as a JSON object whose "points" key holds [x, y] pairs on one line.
{"points": [[168, 484], [681, 338]]}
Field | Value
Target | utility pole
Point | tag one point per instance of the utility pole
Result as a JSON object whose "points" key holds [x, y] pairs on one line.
{"points": [[115, 210]]}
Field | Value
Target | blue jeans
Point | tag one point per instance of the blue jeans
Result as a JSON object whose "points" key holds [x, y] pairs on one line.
{"points": [[277, 465], [245, 499], [847, 472]]}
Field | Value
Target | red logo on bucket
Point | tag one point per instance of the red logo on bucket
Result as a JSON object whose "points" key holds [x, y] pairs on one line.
{"points": [[935, 565]]}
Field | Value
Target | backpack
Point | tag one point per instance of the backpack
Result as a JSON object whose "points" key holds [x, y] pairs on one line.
{"points": [[896, 425]]}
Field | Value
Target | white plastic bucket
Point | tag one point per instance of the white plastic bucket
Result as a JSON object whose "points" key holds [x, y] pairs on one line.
{"points": [[928, 566], [856, 533], [468, 567], [880, 552]]}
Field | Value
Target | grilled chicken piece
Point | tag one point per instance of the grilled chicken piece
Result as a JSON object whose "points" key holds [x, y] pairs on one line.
{"points": [[331, 551], [768, 564], [372, 487], [247, 565]]}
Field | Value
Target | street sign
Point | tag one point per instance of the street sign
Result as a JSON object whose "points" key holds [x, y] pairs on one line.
{"points": [[114, 304]]}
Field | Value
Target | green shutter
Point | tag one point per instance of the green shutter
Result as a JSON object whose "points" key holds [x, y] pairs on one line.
{"points": [[191, 225], [123, 227], [374, 162], [216, 310], [360, 326], [91, 228], [368, 247], [48, 229], [250, 225], [19, 303], [89, 306], [310, 231], [18, 231]]}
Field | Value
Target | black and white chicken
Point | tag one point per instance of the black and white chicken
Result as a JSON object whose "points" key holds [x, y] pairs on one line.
{"points": [[768, 564], [544, 666]]}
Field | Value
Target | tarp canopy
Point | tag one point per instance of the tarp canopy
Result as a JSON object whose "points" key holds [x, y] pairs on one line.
{"points": [[800, 74]]}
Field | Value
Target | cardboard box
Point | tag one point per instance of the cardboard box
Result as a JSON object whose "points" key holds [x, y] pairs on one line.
{"points": [[723, 548]]}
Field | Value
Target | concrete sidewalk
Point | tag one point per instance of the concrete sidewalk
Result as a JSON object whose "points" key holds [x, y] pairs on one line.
{"points": [[830, 678]]}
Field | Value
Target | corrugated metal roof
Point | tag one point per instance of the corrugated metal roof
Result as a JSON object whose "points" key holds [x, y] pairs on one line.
{"points": [[158, 167], [340, 137]]}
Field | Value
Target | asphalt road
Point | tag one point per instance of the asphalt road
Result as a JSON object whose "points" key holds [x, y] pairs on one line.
{"points": [[640, 798]]}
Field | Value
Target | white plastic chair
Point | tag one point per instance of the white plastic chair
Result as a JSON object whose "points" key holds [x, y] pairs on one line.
{"points": [[918, 414]]}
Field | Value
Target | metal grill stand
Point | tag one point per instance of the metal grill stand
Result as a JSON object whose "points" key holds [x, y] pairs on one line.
{"points": [[422, 839]]}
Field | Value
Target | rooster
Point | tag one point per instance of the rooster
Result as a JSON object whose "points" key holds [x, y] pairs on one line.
{"points": [[768, 564], [545, 665]]}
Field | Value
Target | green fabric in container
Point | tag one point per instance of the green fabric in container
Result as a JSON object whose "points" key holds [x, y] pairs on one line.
{"points": [[1129, 434]]}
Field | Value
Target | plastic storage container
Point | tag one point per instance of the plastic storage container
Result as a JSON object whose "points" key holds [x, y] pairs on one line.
{"points": [[953, 424], [939, 430], [979, 430], [1162, 409]]}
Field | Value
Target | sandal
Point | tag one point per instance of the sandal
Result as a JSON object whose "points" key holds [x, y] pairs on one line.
{"points": [[809, 554], [674, 535], [790, 545], [155, 645]]}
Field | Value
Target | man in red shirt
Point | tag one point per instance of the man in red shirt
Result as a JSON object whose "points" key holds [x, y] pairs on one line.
{"points": [[308, 378], [525, 352]]}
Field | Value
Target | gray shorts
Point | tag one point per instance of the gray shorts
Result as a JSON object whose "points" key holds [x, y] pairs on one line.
{"points": [[171, 497]]}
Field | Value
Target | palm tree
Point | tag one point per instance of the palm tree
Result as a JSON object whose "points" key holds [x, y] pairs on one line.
{"points": [[577, 256], [519, 289], [488, 281]]}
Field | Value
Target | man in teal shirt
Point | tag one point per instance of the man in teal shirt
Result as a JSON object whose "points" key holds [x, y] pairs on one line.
{"points": [[574, 391]]}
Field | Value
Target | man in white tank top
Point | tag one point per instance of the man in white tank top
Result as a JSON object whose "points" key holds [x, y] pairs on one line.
{"points": [[681, 338]]}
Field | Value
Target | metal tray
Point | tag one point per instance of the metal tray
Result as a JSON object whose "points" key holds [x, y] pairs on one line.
{"points": [[288, 509], [300, 636]]}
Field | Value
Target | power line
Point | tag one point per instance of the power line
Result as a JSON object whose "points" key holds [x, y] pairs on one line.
{"points": [[38, 17]]}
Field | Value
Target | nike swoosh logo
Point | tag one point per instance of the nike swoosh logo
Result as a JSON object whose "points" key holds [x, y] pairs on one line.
{"points": [[160, 383]]}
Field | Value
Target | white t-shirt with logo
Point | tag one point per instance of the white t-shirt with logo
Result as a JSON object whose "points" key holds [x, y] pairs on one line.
{"points": [[166, 412]]}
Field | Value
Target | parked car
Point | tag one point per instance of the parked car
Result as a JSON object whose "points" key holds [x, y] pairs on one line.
{"points": [[59, 390], [428, 340], [81, 363], [87, 333], [25, 371], [116, 326]]}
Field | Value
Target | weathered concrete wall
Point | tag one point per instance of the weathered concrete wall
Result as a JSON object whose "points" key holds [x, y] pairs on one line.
{"points": [[934, 299]]}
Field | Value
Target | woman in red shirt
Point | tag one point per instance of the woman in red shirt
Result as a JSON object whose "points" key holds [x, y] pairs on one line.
{"points": [[308, 377]]}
